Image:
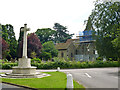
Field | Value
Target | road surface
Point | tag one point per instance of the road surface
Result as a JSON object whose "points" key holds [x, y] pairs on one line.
{"points": [[97, 77], [10, 87]]}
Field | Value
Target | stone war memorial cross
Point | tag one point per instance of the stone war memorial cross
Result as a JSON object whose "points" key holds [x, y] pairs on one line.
{"points": [[24, 68], [25, 29]]}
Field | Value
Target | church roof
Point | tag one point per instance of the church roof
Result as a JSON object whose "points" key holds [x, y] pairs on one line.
{"points": [[71, 40], [65, 45], [62, 45]]}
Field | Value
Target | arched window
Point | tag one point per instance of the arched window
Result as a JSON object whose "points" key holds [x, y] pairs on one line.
{"points": [[93, 51], [62, 54], [71, 54], [76, 52]]}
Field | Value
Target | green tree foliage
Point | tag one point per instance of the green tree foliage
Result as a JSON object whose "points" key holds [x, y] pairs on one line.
{"points": [[0, 41], [0, 30], [18, 46], [33, 45], [33, 54], [61, 34], [116, 41], [20, 35], [105, 19], [45, 34], [9, 36], [12, 41], [5, 33], [88, 24], [46, 56], [49, 50], [58, 35]]}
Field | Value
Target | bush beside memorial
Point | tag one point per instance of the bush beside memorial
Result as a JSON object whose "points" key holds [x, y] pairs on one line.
{"points": [[67, 64]]}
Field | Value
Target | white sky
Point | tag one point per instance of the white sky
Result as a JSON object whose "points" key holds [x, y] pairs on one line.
{"points": [[44, 13]]}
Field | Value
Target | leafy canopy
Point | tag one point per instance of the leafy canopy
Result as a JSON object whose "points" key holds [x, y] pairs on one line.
{"points": [[49, 47], [9, 36], [62, 34], [45, 34], [105, 19], [58, 35]]}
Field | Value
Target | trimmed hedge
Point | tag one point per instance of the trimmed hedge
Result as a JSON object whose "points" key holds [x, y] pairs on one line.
{"points": [[67, 65], [8, 65]]}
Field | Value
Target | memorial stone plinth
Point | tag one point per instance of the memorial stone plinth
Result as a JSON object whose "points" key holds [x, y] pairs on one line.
{"points": [[24, 68]]}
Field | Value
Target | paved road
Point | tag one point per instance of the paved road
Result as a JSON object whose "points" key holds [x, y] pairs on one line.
{"points": [[97, 77], [93, 77], [10, 87]]}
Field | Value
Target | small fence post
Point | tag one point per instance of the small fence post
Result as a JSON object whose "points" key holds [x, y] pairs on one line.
{"points": [[70, 82], [58, 69]]}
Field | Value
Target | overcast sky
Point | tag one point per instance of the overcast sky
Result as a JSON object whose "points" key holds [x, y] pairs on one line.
{"points": [[44, 13]]}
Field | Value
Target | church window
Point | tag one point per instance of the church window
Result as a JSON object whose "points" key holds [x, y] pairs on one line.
{"points": [[62, 54]]}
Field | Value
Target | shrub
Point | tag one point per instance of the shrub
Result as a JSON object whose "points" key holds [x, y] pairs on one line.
{"points": [[46, 56], [99, 58], [110, 59], [1, 60], [8, 65], [35, 60], [71, 64]]}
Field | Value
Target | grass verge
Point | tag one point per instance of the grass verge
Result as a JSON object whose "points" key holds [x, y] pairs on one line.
{"points": [[56, 80]]}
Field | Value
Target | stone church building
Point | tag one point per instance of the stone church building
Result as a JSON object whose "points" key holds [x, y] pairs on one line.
{"points": [[81, 49], [66, 50]]}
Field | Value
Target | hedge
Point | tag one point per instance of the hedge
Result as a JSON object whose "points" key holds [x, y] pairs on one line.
{"points": [[8, 65], [67, 65]]}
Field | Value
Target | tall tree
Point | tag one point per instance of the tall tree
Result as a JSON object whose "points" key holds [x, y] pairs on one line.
{"points": [[116, 41], [33, 44], [45, 34], [88, 24], [0, 48], [9, 36], [105, 19], [20, 35], [5, 33], [0, 30], [61, 34], [19, 41], [12, 41]]}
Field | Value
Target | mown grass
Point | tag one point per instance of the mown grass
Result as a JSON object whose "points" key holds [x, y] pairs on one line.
{"points": [[56, 80]]}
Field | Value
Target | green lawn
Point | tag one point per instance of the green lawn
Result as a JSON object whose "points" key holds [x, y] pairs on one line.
{"points": [[56, 80]]}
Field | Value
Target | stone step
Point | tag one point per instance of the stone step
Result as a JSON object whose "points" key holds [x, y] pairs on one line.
{"points": [[3, 75]]}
